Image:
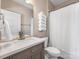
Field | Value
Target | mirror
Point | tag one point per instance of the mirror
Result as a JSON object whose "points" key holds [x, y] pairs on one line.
{"points": [[11, 24], [14, 20], [19, 9]]}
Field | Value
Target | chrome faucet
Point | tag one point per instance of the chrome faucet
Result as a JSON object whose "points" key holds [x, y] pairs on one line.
{"points": [[21, 35]]}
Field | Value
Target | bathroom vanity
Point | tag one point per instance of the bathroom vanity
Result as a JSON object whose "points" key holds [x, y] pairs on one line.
{"points": [[24, 49], [35, 52]]}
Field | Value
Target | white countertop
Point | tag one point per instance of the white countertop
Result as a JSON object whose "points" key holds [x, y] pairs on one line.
{"points": [[16, 46]]}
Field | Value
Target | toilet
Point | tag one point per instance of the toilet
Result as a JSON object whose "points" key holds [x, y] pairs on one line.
{"points": [[51, 52]]}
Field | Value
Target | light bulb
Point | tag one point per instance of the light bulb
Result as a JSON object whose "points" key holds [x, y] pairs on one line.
{"points": [[28, 1]]}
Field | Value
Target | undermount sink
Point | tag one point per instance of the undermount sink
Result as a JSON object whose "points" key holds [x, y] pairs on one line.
{"points": [[4, 45], [7, 44]]}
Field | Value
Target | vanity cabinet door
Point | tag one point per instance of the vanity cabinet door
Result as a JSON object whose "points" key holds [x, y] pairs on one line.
{"points": [[37, 55], [38, 52], [22, 55], [7, 58]]}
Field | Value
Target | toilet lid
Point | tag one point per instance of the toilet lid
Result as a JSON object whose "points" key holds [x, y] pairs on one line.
{"points": [[52, 50]]}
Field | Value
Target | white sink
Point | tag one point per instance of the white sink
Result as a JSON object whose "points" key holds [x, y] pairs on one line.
{"points": [[7, 44], [4, 45]]}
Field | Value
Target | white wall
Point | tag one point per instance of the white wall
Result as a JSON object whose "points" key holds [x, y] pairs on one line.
{"points": [[64, 29]]}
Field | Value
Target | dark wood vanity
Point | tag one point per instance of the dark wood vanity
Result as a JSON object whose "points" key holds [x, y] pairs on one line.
{"points": [[35, 52]]}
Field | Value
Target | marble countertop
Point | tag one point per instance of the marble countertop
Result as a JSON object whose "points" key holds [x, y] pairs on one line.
{"points": [[9, 48]]}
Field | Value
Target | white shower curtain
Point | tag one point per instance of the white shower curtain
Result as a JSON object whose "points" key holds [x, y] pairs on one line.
{"points": [[64, 30]]}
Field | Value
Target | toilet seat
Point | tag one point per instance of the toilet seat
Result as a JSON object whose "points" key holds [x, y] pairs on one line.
{"points": [[54, 52]]}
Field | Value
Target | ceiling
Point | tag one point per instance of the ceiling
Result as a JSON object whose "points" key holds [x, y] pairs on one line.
{"points": [[22, 2], [57, 2]]}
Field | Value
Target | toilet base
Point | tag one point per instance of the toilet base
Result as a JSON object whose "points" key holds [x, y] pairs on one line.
{"points": [[47, 57], [52, 58]]}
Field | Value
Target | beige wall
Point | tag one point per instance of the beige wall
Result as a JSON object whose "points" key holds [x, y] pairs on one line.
{"points": [[26, 13], [38, 6], [50, 6], [0, 3]]}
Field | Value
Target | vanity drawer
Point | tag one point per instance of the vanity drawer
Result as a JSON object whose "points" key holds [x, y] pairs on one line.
{"points": [[37, 48]]}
